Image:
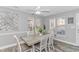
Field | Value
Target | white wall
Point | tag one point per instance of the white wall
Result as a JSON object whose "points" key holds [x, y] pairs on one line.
{"points": [[45, 21], [70, 29], [22, 21]]}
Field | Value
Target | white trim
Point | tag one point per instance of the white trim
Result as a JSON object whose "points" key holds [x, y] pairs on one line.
{"points": [[74, 44], [12, 32], [11, 45]]}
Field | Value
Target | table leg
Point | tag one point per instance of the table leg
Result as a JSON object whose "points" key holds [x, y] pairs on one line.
{"points": [[33, 48]]}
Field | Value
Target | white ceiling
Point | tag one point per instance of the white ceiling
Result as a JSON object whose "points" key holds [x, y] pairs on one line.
{"points": [[51, 9]]}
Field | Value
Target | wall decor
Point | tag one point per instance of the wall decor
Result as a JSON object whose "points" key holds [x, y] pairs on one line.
{"points": [[30, 23], [60, 21], [61, 32], [8, 21], [70, 20]]}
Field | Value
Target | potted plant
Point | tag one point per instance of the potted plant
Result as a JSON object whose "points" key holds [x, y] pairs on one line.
{"points": [[41, 30]]}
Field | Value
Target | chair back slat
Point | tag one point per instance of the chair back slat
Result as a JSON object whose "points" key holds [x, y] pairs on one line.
{"points": [[44, 40], [18, 43], [51, 37]]}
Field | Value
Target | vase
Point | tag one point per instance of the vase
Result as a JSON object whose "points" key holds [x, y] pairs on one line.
{"points": [[40, 34]]}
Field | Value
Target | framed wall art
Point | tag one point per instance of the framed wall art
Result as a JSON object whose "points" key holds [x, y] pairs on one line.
{"points": [[70, 20]]}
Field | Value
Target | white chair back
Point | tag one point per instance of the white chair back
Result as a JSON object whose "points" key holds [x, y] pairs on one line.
{"points": [[18, 43], [44, 40], [51, 37], [50, 41]]}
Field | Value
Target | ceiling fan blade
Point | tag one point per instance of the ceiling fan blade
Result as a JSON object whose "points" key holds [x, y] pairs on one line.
{"points": [[45, 11]]}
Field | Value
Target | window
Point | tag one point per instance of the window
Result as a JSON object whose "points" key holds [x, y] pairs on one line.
{"points": [[52, 23]]}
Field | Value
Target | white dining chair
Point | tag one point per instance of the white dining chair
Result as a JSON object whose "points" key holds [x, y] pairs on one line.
{"points": [[19, 45], [50, 42], [43, 44]]}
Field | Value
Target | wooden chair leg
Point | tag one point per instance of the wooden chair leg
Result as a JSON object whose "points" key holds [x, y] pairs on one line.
{"points": [[40, 49], [49, 49], [33, 48], [46, 49]]}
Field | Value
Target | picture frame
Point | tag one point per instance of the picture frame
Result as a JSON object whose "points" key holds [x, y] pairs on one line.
{"points": [[61, 22], [70, 20]]}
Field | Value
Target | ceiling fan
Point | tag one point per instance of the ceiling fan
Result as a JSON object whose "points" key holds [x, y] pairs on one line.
{"points": [[34, 11], [38, 10]]}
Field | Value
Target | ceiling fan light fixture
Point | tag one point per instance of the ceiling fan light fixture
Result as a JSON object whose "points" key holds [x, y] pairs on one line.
{"points": [[38, 7], [38, 12]]}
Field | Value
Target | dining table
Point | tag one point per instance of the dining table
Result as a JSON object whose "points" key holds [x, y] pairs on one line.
{"points": [[32, 40]]}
